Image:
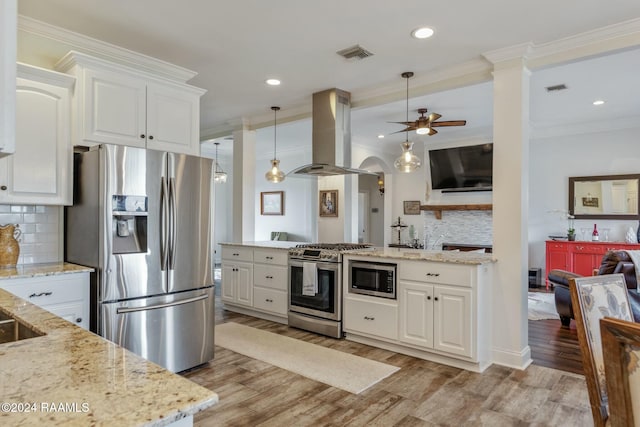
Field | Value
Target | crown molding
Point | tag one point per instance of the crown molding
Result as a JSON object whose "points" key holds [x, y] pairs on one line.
{"points": [[105, 50], [509, 53], [43, 75]]}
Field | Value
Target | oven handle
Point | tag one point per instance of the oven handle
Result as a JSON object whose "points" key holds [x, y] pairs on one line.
{"points": [[319, 265]]}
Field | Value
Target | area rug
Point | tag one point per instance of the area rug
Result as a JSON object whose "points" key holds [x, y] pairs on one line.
{"points": [[542, 306], [335, 368]]}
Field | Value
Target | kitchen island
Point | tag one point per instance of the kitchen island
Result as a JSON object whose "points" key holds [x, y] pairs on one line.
{"points": [[440, 310], [69, 376]]}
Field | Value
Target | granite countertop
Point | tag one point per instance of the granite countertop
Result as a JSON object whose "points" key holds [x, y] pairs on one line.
{"points": [[48, 269], [93, 380], [271, 244], [422, 255]]}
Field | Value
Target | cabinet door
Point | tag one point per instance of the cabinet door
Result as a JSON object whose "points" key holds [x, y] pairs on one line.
{"points": [[115, 109], [172, 119], [557, 257], [227, 290], [453, 320], [40, 170], [416, 314], [244, 284], [75, 312], [584, 263]]}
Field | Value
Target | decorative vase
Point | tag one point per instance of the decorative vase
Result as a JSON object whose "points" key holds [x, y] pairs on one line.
{"points": [[630, 237], [9, 247], [571, 237]]}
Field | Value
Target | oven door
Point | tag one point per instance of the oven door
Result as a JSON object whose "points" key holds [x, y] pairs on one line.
{"points": [[327, 302]]}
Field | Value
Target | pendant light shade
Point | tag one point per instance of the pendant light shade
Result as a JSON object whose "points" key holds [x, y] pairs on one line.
{"points": [[219, 176], [274, 174], [407, 162]]}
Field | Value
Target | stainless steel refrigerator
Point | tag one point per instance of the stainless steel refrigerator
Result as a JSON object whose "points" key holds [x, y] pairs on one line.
{"points": [[142, 219]]}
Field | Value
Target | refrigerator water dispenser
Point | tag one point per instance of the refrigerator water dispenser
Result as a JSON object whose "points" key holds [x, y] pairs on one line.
{"points": [[129, 224]]}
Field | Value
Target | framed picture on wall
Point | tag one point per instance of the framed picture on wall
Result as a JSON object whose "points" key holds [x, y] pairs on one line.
{"points": [[328, 202], [411, 207], [271, 203]]}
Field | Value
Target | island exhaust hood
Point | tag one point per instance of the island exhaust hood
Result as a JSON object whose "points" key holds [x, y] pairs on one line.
{"points": [[331, 136]]}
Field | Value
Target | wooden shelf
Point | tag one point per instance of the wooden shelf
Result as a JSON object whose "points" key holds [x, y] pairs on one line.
{"points": [[437, 209]]}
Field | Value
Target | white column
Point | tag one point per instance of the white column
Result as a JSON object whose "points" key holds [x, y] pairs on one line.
{"points": [[510, 211], [244, 185]]}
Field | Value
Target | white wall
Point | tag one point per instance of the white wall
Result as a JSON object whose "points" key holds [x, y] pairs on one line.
{"points": [[553, 160]]}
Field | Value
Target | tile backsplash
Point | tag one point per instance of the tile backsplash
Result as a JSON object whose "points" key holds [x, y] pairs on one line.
{"points": [[41, 226], [468, 227]]}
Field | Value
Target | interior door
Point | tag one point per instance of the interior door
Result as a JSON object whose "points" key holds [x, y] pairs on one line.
{"points": [[190, 248]]}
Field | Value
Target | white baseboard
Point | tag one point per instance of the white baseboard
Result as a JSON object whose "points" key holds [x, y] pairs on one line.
{"points": [[511, 359]]}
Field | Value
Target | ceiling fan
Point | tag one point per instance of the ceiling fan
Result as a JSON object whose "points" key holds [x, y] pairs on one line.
{"points": [[426, 124]]}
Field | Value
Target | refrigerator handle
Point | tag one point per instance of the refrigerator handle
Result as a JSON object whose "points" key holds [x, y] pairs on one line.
{"points": [[173, 227], [164, 217], [122, 310]]}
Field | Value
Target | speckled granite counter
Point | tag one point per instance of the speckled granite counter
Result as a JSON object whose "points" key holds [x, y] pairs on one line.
{"points": [[96, 381], [422, 255], [271, 244], [48, 269]]}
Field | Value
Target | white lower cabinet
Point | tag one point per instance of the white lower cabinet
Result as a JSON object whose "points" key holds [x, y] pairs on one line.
{"points": [[237, 286], [255, 280], [371, 316], [65, 295], [442, 312], [436, 317]]}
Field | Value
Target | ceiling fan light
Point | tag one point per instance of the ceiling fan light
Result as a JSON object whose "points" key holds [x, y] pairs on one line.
{"points": [[422, 130], [407, 162], [275, 174]]}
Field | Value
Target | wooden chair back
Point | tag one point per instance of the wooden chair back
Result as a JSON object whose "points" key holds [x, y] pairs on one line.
{"points": [[621, 351], [594, 298]]}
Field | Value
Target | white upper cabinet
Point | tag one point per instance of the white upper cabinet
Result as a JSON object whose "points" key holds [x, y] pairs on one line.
{"points": [[41, 169], [8, 42], [117, 104]]}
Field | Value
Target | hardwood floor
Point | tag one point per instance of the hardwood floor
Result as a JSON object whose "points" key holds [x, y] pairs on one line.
{"points": [[422, 393], [555, 347]]}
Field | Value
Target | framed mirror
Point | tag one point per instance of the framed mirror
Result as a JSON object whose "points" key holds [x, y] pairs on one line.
{"points": [[604, 197]]}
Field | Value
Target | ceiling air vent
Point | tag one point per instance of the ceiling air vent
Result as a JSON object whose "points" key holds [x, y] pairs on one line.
{"points": [[354, 52], [556, 88]]}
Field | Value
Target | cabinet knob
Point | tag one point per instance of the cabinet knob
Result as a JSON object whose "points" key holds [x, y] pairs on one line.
{"points": [[428, 297], [269, 257], [268, 277], [3, 188], [142, 136], [150, 136], [79, 320], [369, 318], [433, 274], [435, 298], [268, 300], [235, 254]]}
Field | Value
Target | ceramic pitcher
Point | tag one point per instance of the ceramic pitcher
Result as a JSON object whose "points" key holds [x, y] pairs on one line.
{"points": [[9, 247]]}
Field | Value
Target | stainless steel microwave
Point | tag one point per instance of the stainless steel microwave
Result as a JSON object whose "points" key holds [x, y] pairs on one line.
{"points": [[372, 278]]}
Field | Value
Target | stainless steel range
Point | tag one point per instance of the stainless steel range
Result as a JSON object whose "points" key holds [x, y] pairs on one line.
{"points": [[315, 286]]}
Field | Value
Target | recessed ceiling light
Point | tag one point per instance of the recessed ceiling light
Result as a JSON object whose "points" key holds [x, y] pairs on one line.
{"points": [[598, 102], [273, 82], [380, 136], [422, 33]]}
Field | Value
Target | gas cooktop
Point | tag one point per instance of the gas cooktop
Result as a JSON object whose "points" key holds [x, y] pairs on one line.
{"points": [[335, 246], [326, 252]]}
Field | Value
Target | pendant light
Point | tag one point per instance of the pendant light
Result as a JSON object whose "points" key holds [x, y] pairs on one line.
{"points": [[219, 176], [274, 174], [407, 162]]}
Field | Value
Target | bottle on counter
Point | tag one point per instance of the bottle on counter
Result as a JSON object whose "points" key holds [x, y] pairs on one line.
{"points": [[595, 236]]}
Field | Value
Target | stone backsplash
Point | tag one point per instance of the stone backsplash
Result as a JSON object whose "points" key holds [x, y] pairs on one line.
{"points": [[468, 227]]}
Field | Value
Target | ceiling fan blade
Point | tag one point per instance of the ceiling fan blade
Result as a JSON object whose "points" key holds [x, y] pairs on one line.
{"points": [[449, 123], [404, 123], [432, 131], [403, 130], [433, 117]]}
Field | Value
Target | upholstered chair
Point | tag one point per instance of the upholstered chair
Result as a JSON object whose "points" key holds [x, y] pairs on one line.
{"points": [[621, 352], [594, 298]]}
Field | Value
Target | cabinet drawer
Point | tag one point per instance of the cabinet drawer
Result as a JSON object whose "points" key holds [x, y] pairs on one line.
{"points": [[372, 318], [237, 253], [270, 300], [270, 276], [589, 249], [557, 246], [460, 275], [47, 290], [271, 256]]}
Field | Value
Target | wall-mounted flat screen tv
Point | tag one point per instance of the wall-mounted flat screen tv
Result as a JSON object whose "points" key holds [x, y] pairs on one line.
{"points": [[467, 168]]}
